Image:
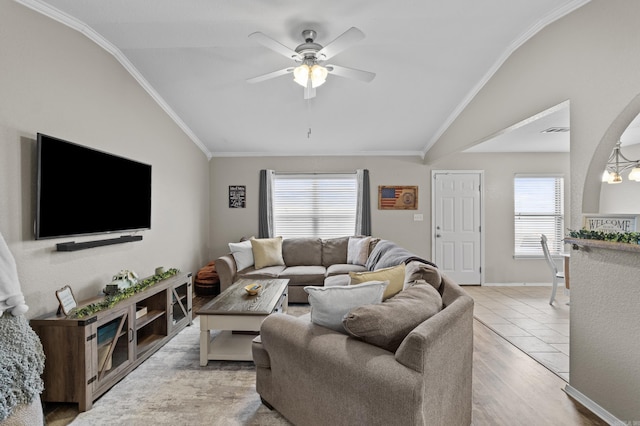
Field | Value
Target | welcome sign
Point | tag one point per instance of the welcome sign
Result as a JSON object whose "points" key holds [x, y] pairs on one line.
{"points": [[610, 222]]}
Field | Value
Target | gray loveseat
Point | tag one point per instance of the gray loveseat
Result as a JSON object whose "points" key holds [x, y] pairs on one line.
{"points": [[316, 376], [316, 262]]}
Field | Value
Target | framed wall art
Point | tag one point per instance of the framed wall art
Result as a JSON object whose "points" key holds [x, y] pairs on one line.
{"points": [[397, 197], [237, 196]]}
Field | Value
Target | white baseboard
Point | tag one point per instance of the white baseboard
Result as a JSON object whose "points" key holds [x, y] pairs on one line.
{"points": [[593, 407], [517, 285]]}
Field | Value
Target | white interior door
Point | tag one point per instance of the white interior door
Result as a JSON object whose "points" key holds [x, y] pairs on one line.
{"points": [[457, 221]]}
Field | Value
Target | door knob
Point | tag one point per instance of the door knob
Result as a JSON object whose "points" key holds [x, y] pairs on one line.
{"points": [[437, 235]]}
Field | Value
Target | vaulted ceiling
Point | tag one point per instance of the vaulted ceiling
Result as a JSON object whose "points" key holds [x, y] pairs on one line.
{"points": [[194, 56]]}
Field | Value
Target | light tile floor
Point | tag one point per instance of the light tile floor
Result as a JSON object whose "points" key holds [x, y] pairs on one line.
{"points": [[522, 315]]}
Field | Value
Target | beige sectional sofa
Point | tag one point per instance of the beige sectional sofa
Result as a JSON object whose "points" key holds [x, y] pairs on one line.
{"points": [[314, 262], [313, 375]]}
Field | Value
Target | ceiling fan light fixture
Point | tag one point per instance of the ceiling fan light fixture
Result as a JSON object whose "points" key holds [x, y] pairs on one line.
{"points": [[318, 75], [301, 74]]}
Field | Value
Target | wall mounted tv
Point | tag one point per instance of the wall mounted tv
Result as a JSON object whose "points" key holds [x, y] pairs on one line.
{"points": [[83, 191]]}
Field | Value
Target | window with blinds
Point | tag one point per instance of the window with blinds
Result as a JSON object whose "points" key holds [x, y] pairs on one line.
{"points": [[314, 205], [538, 209]]}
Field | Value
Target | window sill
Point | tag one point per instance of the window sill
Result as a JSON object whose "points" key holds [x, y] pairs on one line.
{"points": [[535, 257]]}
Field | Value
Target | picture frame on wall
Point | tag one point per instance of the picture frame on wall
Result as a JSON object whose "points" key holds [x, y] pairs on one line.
{"points": [[397, 197], [237, 196]]}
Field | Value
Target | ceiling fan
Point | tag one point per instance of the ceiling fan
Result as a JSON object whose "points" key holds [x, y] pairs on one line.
{"points": [[310, 73]]}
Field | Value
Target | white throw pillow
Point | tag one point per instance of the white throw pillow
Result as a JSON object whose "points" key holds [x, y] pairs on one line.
{"points": [[242, 253], [358, 250], [329, 305]]}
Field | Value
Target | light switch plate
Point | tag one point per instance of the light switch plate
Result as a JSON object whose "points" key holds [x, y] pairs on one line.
{"points": [[418, 217]]}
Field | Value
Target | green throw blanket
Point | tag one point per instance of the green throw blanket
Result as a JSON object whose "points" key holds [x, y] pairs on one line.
{"points": [[22, 361]]}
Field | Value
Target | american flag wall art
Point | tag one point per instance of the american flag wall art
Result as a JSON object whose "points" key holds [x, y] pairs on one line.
{"points": [[397, 197]]}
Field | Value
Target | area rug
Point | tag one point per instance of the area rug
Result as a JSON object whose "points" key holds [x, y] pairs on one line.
{"points": [[171, 388]]}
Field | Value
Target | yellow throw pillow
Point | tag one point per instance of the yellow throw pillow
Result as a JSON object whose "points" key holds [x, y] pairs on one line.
{"points": [[267, 252], [394, 274]]}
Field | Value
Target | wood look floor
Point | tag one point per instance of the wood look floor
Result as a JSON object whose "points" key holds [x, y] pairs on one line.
{"points": [[509, 388]]}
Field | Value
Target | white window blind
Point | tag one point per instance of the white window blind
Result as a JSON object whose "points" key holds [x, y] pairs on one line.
{"points": [[314, 205], [539, 209]]}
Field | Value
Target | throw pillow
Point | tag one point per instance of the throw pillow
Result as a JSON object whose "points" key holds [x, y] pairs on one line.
{"points": [[242, 253], [387, 324], [358, 250], [267, 252], [416, 270], [394, 274], [330, 304]]}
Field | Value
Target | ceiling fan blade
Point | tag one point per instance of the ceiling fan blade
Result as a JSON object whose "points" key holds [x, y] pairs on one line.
{"points": [[345, 40], [352, 73], [276, 46], [270, 75]]}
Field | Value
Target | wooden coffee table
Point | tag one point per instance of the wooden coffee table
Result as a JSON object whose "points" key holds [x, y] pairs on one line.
{"points": [[238, 314]]}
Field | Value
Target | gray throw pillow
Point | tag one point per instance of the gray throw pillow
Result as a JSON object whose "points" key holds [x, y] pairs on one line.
{"points": [[416, 270], [330, 304], [334, 251], [387, 324]]}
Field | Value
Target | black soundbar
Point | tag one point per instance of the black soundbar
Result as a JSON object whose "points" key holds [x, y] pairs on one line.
{"points": [[73, 246]]}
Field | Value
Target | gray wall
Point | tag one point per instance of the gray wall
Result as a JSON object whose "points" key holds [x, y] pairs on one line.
{"points": [[590, 58], [56, 81], [230, 224]]}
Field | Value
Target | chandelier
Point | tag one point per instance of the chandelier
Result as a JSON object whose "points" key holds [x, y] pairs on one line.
{"points": [[617, 164]]}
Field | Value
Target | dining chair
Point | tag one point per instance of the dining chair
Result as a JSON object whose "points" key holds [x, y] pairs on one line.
{"points": [[552, 265]]}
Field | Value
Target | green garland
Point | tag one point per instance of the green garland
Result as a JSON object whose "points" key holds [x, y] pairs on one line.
{"points": [[616, 237], [110, 301]]}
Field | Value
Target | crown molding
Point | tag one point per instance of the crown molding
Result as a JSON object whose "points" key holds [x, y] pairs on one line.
{"points": [[320, 154]]}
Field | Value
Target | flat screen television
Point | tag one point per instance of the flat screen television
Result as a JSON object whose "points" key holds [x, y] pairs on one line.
{"points": [[83, 191]]}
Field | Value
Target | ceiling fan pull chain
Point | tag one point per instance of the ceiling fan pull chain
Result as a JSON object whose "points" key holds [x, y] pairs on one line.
{"points": [[309, 118]]}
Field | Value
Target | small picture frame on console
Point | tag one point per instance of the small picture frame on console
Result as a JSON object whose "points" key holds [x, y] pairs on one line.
{"points": [[67, 300]]}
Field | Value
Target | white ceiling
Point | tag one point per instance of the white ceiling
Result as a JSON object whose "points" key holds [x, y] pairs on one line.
{"points": [[430, 56], [547, 131]]}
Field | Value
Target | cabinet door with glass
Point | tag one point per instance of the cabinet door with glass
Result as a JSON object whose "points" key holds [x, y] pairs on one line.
{"points": [[114, 346], [180, 304]]}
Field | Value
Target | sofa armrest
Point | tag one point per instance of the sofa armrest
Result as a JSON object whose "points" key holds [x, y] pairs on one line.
{"points": [[441, 349], [438, 339], [334, 377], [227, 271]]}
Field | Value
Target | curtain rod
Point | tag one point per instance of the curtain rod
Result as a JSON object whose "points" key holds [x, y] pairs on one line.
{"points": [[315, 173]]}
